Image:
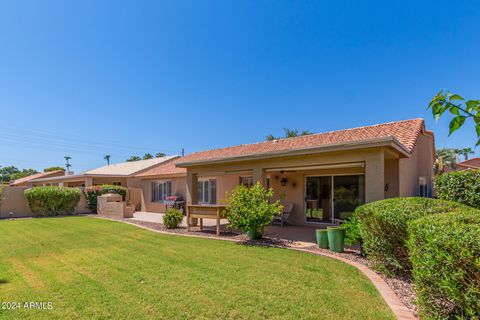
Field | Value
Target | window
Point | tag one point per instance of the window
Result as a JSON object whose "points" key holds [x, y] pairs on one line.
{"points": [[116, 183], [207, 191], [161, 190], [246, 181]]}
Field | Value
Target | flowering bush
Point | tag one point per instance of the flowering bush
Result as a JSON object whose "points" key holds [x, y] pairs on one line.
{"points": [[91, 193]]}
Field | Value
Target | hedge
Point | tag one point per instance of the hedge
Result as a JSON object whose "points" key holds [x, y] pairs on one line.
{"points": [[52, 201], [91, 193], [382, 226], [460, 186], [445, 254]]}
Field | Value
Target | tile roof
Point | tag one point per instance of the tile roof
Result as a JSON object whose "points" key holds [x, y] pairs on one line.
{"points": [[168, 168], [128, 168], [405, 132], [34, 176], [472, 163]]}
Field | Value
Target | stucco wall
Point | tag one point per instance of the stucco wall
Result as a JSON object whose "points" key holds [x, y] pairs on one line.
{"points": [[14, 201], [419, 164], [178, 188]]}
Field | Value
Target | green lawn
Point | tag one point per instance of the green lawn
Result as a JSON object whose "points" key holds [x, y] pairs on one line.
{"points": [[98, 269]]}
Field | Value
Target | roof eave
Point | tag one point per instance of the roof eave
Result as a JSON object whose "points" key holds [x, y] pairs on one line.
{"points": [[371, 143]]}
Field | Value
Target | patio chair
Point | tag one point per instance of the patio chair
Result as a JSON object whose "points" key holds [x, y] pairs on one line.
{"points": [[287, 210]]}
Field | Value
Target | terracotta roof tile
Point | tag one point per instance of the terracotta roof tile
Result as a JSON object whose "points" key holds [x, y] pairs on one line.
{"points": [[35, 176], [405, 132], [168, 168], [472, 163]]}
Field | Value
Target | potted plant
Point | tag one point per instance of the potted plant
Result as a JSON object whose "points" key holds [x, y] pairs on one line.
{"points": [[249, 209]]}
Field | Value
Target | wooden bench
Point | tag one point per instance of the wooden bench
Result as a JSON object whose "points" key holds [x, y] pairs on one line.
{"points": [[205, 212]]}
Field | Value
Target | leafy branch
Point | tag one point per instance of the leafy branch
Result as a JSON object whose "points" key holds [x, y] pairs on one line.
{"points": [[460, 108]]}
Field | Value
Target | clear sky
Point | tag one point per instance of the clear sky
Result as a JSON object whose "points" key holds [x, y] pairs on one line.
{"points": [[89, 78]]}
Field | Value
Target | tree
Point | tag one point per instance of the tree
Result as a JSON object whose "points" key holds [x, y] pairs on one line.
{"points": [[444, 158], [465, 152], [107, 157], [147, 156], [460, 108], [134, 158], [53, 169], [289, 133], [160, 155], [68, 165], [11, 173]]}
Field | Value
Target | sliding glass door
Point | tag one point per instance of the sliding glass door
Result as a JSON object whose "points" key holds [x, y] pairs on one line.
{"points": [[348, 193], [330, 198], [318, 199]]}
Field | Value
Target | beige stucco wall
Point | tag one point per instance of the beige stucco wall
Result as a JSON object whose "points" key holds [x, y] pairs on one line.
{"points": [[178, 188], [13, 200], [419, 164]]}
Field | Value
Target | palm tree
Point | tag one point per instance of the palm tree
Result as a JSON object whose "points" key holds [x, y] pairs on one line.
{"points": [[160, 155], [68, 165], [107, 157], [147, 156], [465, 152], [289, 133], [134, 158], [444, 158]]}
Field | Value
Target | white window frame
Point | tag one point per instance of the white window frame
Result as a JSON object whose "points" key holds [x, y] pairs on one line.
{"points": [[161, 189], [209, 197]]}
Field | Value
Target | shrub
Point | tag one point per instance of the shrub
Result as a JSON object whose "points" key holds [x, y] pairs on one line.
{"points": [[460, 186], [172, 218], [445, 254], [52, 201], [352, 231], [91, 193], [382, 226], [249, 209]]}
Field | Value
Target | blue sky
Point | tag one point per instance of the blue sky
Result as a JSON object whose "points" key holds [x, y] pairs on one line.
{"points": [[89, 78]]}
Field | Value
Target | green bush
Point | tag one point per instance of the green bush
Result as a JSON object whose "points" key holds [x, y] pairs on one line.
{"points": [[460, 186], [172, 218], [382, 226], [52, 201], [445, 254], [91, 193], [249, 209], [352, 231]]}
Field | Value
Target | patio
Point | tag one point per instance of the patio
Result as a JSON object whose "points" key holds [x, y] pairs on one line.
{"points": [[304, 234]]}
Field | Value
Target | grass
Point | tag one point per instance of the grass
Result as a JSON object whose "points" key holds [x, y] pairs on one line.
{"points": [[98, 269]]}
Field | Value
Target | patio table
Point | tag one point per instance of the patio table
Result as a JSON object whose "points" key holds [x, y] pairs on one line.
{"points": [[201, 212]]}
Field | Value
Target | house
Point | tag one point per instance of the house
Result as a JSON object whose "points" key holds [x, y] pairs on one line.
{"points": [[162, 181], [122, 174], [326, 175], [23, 182]]}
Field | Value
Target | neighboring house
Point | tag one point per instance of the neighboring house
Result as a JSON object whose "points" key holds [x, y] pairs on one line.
{"points": [[471, 164], [324, 175], [23, 182], [160, 182], [122, 174]]}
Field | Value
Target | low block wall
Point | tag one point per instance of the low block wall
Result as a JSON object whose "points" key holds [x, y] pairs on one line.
{"points": [[14, 204]]}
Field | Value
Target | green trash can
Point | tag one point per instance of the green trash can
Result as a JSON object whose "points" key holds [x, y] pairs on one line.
{"points": [[322, 238], [336, 239]]}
